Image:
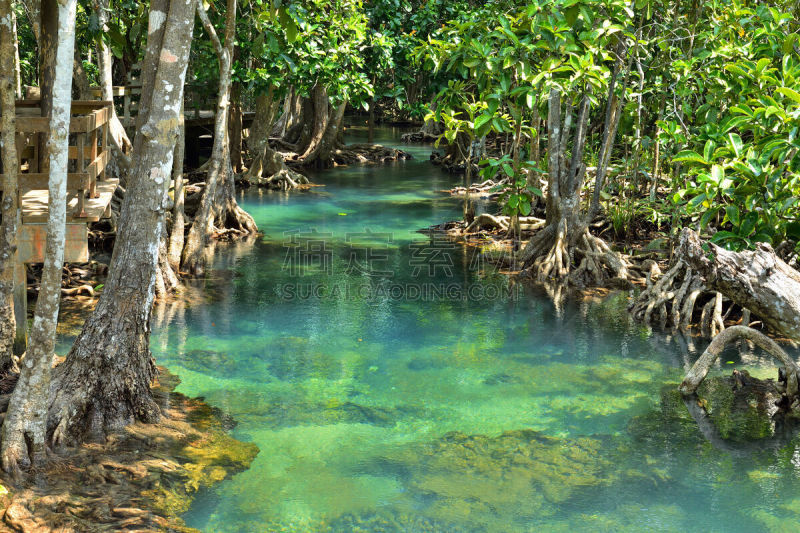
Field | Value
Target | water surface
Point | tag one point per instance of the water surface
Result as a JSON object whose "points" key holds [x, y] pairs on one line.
{"points": [[398, 383]]}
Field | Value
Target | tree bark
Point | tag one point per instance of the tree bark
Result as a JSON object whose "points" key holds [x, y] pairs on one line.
{"points": [[17, 64], [755, 280], [9, 210], [320, 151], [25, 427], [235, 127], [258, 140], [319, 117], [566, 240], [178, 193], [104, 384]]}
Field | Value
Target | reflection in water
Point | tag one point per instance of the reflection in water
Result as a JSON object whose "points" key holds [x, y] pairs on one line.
{"points": [[475, 406]]}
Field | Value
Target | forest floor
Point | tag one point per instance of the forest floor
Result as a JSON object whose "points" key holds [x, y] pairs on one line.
{"points": [[141, 479]]}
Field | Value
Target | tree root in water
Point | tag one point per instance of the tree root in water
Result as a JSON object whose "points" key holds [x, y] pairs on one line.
{"points": [[489, 222], [551, 256], [485, 189], [283, 180], [700, 370], [673, 299]]}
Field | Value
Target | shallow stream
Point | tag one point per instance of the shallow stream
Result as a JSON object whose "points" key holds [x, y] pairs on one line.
{"points": [[398, 383]]}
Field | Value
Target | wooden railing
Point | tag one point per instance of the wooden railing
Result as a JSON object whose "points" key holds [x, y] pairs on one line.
{"points": [[197, 98], [130, 95], [88, 157]]}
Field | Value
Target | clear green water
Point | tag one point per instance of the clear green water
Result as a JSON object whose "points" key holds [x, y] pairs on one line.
{"points": [[380, 411]]}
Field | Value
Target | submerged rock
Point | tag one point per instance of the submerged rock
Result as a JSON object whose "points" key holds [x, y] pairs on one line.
{"points": [[292, 358], [482, 480], [741, 408], [140, 479]]}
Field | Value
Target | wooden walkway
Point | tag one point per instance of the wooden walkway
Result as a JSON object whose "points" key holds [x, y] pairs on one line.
{"points": [[34, 204], [89, 192]]}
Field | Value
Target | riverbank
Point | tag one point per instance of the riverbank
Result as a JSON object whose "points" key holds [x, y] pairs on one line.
{"points": [[141, 479]]}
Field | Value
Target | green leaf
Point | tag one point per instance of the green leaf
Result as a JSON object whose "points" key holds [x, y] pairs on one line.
{"points": [[717, 174], [748, 225], [736, 143], [733, 214], [707, 216], [788, 43], [736, 69], [481, 121], [789, 93], [525, 208], [708, 150], [690, 156]]}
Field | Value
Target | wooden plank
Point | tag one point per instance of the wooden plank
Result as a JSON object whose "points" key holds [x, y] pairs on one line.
{"points": [[97, 166], [38, 181], [32, 238], [33, 125], [34, 204], [87, 152]]}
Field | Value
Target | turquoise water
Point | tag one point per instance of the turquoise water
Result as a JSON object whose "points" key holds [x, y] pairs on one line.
{"points": [[394, 383]]}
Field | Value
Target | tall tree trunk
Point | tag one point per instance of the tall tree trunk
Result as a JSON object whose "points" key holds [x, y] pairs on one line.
{"points": [[25, 428], [104, 383], [81, 88], [9, 210], [235, 127], [268, 168], [178, 193], [610, 126], [17, 64], [320, 154], [565, 239], [203, 224], [258, 140], [319, 121]]}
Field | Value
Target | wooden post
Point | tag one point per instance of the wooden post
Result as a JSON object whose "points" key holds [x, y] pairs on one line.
{"points": [[126, 105], [80, 208], [20, 305], [93, 157]]}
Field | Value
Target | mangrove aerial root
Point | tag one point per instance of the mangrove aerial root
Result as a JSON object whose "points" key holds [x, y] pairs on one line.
{"points": [[284, 180], [583, 261], [700, 369], [486, 188], [671, 299]]}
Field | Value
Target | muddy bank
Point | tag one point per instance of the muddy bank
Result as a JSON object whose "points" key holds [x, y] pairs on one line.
{"points": [[141, 479]]}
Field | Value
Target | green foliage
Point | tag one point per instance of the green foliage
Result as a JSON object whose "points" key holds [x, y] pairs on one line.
{"points": [[743, 164]]}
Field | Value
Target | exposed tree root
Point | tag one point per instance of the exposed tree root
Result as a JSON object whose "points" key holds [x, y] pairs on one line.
{"points": [[486, 189], [368, 153], [284, 180], [485, 221], [674, 299], [586, 262], [419, 137], [698, 372]]}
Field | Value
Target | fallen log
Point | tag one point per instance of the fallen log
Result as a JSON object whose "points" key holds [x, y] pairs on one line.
{"points": [[756, 280]]}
